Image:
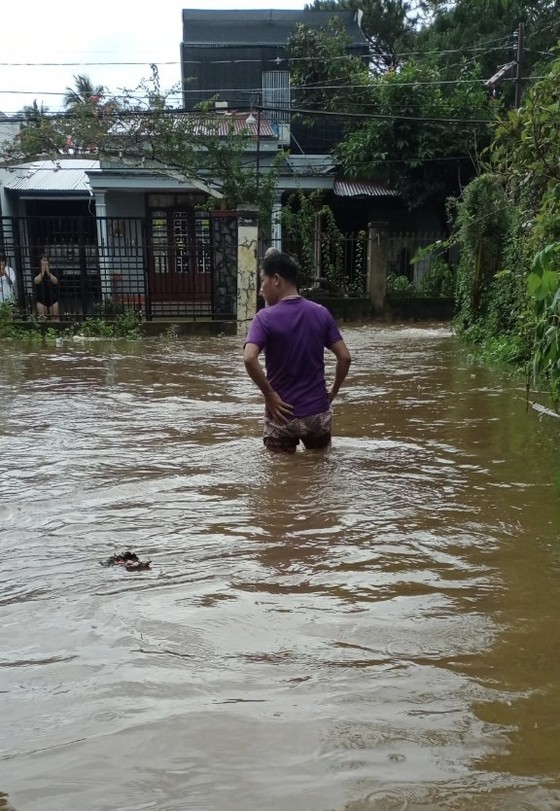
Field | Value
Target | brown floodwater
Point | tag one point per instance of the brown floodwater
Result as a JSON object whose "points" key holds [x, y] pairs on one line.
{"points": [[371, 628]]}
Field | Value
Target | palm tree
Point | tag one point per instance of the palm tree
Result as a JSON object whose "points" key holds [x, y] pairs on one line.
{"points": [[33, 114], [83, 92]]}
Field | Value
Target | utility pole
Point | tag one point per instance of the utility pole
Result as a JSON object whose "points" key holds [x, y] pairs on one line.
{"points": [[259, 112], [519, 64]]}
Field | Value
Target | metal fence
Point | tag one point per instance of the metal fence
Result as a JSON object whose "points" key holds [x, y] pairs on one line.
{"points": [[332, 262], [403, 248], [336, 263], [167, 265]]}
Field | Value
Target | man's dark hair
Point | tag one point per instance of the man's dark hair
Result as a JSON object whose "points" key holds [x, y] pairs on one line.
{"points": [[282, 264]]}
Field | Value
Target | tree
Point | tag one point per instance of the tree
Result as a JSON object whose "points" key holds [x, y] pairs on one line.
{"points": [[404, 130], [508, 232], [389, 25], [33, 114], [39, 135], [83, 92], [192, 145], [81, 129], [526, 149], [427, 138], [332, 80], [484, 31], [90, 112]]}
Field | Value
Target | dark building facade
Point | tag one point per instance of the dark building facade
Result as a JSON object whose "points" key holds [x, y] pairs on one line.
{"points": [[241, 57]]}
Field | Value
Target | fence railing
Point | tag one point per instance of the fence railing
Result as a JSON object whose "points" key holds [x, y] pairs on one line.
{"points": [[161, 265], [403, 247], [180, 265], [332, 263]]}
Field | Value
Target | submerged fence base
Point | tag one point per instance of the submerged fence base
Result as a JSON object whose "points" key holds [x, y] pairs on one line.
{"points": [[146, 329]]}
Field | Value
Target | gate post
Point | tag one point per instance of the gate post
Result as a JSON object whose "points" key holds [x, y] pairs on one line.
{"points": [[276, 232], [377, 261], [247, 271], [103, 246]]}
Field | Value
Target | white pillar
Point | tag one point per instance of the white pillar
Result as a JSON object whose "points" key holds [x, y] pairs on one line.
{"points": [[276, 235], [247, 268], [103, 245]]}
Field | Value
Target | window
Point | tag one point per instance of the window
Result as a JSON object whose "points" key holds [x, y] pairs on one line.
{"points": [[276, 93], [180, 241]]}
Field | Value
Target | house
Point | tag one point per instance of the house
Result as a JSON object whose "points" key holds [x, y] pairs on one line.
{"points": [[126, 230], [241, 57], [8, 128], [119, 236]]}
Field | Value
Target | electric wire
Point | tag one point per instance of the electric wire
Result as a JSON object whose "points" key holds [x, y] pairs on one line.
{"points": [[474, 48]]}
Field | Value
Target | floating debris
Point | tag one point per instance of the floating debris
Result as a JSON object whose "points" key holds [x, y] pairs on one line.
{"points": [[129, 561]]}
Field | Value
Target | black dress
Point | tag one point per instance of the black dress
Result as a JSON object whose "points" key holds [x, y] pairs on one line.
{"points": [[46, 292]]}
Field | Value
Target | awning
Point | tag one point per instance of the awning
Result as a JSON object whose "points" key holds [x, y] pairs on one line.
{"points": [[362, 188], [64, 175]]}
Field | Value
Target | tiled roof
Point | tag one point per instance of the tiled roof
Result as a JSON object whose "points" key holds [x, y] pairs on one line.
{"points": [[259, 27], [60, 175], [362, 188]]}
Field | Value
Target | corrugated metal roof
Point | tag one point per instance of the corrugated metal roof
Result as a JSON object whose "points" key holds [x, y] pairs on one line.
{"points": [[362, 188], [219, 124], [258, 27], [61, 175], [214, 123], [310, 164]]}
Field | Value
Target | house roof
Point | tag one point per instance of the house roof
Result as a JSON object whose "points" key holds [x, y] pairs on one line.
{"points": [[310, 164], [65, 175], [362, 188], [259, 27], [219, 124], [213, 123]]}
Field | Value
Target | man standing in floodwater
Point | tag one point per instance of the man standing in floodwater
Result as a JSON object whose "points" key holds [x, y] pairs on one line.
{"points": [[294, 334]]}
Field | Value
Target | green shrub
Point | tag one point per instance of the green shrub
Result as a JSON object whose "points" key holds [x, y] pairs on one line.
{"points": [[399, 286], [439, 281]]}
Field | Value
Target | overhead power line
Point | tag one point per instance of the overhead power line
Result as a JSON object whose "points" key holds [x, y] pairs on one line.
{"points": [[147, 62], [258, 90], [181, 112], [381, 116]]}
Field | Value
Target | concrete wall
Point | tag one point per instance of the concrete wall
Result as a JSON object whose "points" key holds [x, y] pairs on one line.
{"points": [[123, 204]]}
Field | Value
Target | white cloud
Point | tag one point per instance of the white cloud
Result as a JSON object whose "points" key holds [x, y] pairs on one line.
{"points": [[73, 31]]}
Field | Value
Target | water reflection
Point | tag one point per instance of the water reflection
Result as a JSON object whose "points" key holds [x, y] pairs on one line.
{"points": [[369, 628]]}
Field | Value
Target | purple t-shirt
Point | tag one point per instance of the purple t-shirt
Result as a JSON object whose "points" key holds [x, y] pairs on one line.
{"points": [[294, 334]]}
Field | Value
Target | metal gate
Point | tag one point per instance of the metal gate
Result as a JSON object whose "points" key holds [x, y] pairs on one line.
{"points": [[181, 265]]}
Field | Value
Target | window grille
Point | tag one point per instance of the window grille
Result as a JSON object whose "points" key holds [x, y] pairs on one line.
{"points": [[276, 93]]}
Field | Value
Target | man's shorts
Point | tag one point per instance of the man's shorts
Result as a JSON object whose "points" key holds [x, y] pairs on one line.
{"points": [[314, 432]]}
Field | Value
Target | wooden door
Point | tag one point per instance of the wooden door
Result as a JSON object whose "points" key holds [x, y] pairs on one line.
{"points": [[179, 266]]}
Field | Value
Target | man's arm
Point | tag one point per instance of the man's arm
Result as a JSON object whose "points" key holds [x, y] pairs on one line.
{"points": [[276, 408], [343, 361]]}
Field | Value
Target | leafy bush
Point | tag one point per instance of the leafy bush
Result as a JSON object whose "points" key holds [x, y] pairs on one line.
{"points": [[399, 286], [439, 281], [543, 284], [482, 226], [126, 325]]}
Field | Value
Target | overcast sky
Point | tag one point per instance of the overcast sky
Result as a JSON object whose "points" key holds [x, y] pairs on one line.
{"points": [[77, 31]]}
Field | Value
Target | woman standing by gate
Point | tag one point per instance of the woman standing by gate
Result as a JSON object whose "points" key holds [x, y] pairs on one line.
{"points": [[46, 290]]}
